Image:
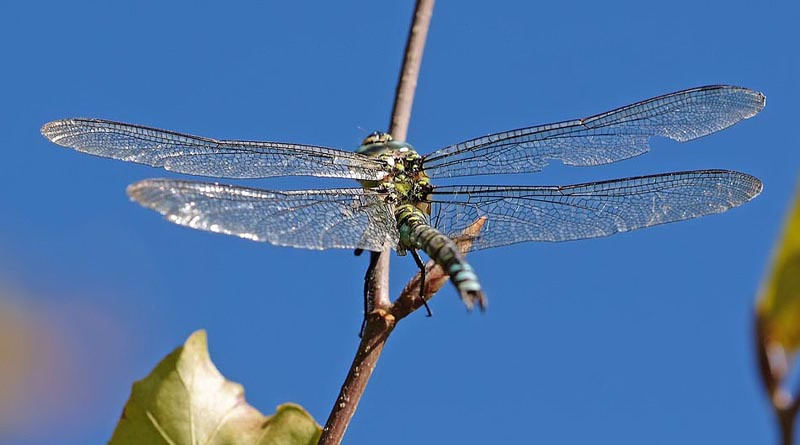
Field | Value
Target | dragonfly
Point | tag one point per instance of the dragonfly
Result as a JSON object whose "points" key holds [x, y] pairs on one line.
{"points": [[397, 203]]}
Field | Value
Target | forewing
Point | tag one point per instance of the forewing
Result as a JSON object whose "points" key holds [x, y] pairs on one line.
{"points": [[562, 213], [313, 219], [601, 139], [196, 155]]}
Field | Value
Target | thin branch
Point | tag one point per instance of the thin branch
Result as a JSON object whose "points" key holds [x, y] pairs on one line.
{"points": [[379, 325], [407, 84], [765, 365], [377, 279], [773, 368], [380, 322], [398, 127]]}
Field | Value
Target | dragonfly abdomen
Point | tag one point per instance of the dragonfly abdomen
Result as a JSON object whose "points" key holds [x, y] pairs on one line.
{"points": [[416, 233]]}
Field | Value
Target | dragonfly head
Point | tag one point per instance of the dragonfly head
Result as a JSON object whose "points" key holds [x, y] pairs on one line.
{"points": [[403, 165]]}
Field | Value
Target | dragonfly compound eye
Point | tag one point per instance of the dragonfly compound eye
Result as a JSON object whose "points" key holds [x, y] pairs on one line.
{"points": [[377, 137]]}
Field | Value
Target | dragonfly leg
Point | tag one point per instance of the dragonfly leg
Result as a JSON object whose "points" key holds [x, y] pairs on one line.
{"points": [[421, 266], [373, 260]]}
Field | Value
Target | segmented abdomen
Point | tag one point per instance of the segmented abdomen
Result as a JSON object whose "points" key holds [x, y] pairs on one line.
{"points": [[417, 234]]}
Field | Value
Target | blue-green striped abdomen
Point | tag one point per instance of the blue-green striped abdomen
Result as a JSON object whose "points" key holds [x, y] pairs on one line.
{"points": [[416, 233]]}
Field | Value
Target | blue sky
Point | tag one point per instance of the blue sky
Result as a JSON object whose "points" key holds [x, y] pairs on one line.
{"points": [[642, 337]]}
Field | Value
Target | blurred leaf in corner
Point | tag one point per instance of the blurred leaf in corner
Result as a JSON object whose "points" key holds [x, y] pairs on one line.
{"points": [[17, 359], [185, 400], [779, 303]]}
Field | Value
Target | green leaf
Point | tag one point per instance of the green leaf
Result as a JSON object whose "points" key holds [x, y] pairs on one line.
{"points": [[779, 302], [185, 400]]}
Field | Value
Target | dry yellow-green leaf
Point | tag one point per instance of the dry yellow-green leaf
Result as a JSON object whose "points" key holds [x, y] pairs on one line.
{"points": [[779, 302], [185, 400]]}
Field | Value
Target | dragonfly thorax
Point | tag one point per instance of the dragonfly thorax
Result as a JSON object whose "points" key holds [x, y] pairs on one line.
{"points": [[405, 181]]}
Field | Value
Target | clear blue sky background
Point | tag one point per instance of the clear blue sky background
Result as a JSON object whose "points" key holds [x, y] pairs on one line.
{"points": [[643, 337]]}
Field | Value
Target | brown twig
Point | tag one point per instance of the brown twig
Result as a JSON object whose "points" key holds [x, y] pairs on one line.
{"points": [[773, 368], [407, 84], [380, 322], [379, 325]]}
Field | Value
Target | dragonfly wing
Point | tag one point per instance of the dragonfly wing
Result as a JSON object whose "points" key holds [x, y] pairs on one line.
{"points": [[562, 213], [205, 156], [601, 139], [352, 218]]}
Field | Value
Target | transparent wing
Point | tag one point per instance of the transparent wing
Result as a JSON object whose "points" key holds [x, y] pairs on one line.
{"points": [[208, 157], [313, 219], [562, 213], [601, 139]]}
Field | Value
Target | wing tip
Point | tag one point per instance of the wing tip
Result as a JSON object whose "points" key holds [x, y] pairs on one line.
{"points": [[748, 184], [743, 103], [56, 130], [758, 100], [133, 190], [733, 175], [138, 190], [52, 130], [757, 186]]}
